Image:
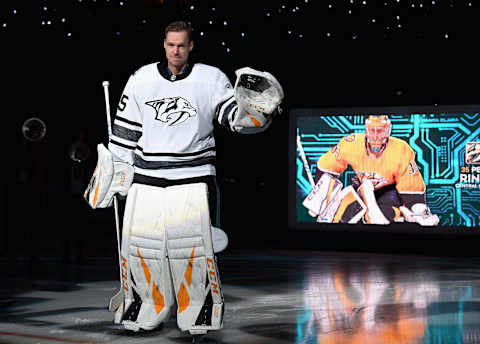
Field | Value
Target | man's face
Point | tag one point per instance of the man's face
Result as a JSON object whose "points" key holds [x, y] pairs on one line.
{"points": [[376, 138], [177, 48]]}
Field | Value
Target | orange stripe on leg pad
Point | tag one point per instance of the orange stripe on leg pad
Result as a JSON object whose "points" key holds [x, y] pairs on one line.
{"points": [[157, 298], [188, 273], [183, 298], [146, 270]]}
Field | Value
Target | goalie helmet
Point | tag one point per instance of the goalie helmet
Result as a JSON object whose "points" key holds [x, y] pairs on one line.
{"points": [[377, 131]]}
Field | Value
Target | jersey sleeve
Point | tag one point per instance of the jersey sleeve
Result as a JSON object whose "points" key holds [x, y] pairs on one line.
{"points": [[409, 180], [224, 101], [334, 161], [127, 125]]}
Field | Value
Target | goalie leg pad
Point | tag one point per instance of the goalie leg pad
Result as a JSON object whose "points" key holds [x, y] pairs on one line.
{"points": [[170, 257], [150, 292], [194, 270], [374, 215], [351, 208], [321, 196]]}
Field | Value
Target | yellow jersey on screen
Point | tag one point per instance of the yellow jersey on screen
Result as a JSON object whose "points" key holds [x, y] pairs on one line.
{"points": [[396, 164]]}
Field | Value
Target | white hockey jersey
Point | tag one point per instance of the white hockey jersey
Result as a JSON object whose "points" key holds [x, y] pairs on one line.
{"points": [[164, 123]]}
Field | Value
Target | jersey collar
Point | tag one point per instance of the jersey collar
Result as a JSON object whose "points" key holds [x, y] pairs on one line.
{"points": [[167, 74]]}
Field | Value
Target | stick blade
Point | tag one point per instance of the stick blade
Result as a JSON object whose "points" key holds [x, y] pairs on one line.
{"points": [[116, 301]]}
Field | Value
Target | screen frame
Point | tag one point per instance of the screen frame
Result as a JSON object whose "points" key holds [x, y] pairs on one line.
{"points": [[400, 228]]}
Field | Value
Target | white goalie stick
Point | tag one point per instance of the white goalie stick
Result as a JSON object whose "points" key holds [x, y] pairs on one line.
{"points": [[117, 300], [305, 162]]}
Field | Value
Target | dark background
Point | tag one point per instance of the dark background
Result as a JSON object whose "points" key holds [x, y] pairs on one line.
{"points": [[55, 55]]}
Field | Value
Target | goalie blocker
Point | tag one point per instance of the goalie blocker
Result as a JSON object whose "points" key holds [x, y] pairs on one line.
{"points": [[109, 178]]}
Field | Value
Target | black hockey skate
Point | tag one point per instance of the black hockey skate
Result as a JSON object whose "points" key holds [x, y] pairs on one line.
{"points": [[198, 338]]}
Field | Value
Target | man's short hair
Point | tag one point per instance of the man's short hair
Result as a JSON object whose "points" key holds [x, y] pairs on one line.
{"points": [[179, 26]]}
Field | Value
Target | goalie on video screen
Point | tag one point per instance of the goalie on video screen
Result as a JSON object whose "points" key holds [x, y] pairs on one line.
{"points": [[387, 185]]}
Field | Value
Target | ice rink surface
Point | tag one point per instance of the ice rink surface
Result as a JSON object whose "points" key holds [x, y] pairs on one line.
{"points": [[273, 296]]}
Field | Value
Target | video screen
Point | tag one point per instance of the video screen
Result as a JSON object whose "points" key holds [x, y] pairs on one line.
{"points": [[407, 167]]}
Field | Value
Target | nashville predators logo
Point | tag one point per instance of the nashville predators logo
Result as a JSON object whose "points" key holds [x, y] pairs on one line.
{"points": [[172, 111], [377, 180]]}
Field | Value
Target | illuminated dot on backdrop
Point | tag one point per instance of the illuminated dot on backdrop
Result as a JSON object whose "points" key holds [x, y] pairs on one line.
{"points": [[349, 11], [43, 22], [201, 33], [210, 22], [69, 34], [446, 35], [300, 35], [14, 11], [225, 23], [63, 20], [289, 32], [117, 33], [364, 2], [44, 8], [328, 34], [121, 3], [4, 25], [228, 50], [329, 6], [214, 9], [49, 22], [373, 20], [223, 43], [192, 7]]}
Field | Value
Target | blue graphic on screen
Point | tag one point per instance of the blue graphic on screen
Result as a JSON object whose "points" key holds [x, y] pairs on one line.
{"points": [[445, 145]]}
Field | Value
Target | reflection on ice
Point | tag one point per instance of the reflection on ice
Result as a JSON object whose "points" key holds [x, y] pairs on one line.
{"points": [[360, 304]]}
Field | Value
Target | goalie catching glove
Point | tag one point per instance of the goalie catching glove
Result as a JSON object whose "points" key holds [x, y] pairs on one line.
{"points": [[421, 214], [258, 95], [109, 178]]}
